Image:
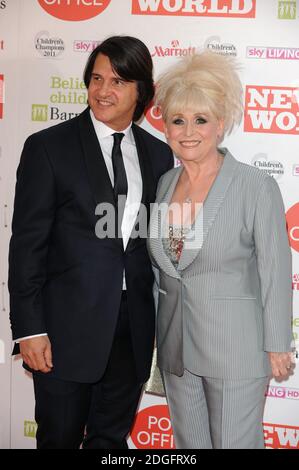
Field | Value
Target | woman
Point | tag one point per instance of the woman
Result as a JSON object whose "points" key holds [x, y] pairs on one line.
{"points": [[224, 316]]}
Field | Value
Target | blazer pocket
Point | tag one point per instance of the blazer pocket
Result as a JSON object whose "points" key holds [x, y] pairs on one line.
{"points": [[163, 291]]}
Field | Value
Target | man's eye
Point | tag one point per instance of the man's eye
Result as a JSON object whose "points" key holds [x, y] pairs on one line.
{"points": [[118, 82]]}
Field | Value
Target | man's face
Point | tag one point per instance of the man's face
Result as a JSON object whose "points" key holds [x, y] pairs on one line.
{"points": [[111, 98]]}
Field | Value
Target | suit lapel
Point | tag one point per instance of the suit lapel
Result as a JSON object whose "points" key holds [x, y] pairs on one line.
{"points": [[209, 211], [148, 183], [157, 225], [96, 168]]}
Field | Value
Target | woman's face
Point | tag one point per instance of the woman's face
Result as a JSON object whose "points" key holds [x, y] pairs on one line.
{"points": [[192, 135]]}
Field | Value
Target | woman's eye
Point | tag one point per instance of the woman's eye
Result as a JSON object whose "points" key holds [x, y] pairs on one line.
{"points": [[201, 120], [178, 121]]}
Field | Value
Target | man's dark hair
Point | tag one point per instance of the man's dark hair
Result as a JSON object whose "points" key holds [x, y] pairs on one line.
{"points": [[131, 60]]}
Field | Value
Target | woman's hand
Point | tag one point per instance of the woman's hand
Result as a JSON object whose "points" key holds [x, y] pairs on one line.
{"points": [[281, 363]]}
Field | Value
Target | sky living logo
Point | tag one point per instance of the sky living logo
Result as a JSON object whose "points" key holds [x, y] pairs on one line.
{"points": [[1, 95], [283, 392], [174, 50], [81, 45], [30, 428], [271, 109], [278, 436], [282, 53], [152, 429], [287, 10], [74, 10], [223, 8]]}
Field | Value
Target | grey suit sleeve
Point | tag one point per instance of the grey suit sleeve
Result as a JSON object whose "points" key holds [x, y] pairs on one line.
{"points": [[274, 266]]}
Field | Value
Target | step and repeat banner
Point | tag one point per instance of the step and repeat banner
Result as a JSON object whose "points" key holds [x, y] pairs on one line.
{"points": [[44, 45]]}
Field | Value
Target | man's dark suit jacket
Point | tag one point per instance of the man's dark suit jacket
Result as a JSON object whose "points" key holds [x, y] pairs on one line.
{"points": [[63, 280]]}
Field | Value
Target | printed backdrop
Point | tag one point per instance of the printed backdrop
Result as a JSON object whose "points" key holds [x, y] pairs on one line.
{"points": [[44, 45]]}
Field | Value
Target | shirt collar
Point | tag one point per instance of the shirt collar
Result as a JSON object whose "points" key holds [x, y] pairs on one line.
{"points": [[103, 131]]}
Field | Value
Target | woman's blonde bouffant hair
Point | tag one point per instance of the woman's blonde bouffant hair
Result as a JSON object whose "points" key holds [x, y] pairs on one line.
{"points": [[205, 82]]}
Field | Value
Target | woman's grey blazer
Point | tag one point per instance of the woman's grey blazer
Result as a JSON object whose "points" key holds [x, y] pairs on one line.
{"points": [[230, 300]]}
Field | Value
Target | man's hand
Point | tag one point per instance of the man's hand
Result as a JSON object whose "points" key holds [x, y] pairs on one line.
{"points": [[281, 363], [36, 353]]}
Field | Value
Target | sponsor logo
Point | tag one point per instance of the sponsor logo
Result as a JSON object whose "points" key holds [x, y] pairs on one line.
{"points": [[295, 284], [292, 216], [226, 8], [67, 92], [1, 95], [2, 4], [154, 117], [47, 46], [74, 10], [2, 45], [286, 10], [295, 324], [272, 168], [30, 428], [283, 53], [282, 392], [214, 44], [296, 169], [271, 109], [81, 45], [175, 50], [278, 436], [152, 429], [39, 112]]}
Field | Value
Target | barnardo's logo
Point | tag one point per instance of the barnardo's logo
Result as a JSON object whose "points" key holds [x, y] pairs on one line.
{"points": [[226, 8], [287, 10], [152, 429], [292, 216], [39, 112], [64, 94], [271, 167], [82, 45], [74, 10], [174, 50], [271, 109], [1, 95], [48, 46], [283, 53], [30, 428], [214, 44], [279, 436]]}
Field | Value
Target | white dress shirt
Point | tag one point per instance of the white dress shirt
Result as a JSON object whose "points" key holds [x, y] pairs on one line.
{"points": [[134, 178]]}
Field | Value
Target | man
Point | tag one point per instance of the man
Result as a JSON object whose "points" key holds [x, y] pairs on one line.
{"points": [[82, 308]]}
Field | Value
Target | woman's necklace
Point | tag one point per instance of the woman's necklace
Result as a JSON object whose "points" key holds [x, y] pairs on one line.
{"points": [[188, 199]]}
